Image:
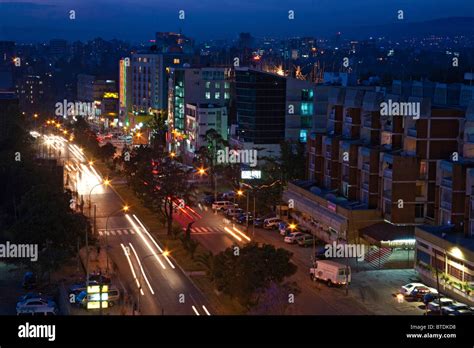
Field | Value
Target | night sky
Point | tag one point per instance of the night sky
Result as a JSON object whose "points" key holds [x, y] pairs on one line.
{"points": [[138, 20]]}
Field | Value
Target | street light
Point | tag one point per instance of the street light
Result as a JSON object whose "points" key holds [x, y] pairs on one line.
{"points": [[125, 209]]}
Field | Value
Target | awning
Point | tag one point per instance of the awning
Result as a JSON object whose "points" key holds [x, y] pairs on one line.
{"points": [[385, 232]]}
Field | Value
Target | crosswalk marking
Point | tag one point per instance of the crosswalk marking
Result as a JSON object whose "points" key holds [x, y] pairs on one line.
{"points": [[206, 230], [115, 231]]}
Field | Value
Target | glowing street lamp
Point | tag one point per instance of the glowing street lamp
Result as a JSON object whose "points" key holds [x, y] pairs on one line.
{"points": [[172, 154], [292, 226], [201, 171]]}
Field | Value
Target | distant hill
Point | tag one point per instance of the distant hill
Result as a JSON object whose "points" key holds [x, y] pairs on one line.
{"points": [[442, 26]]}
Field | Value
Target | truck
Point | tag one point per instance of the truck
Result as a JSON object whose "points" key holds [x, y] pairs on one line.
{"points": [[331, 272]]}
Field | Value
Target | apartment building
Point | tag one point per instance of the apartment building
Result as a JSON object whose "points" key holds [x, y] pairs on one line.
{"points": [[385, 163]]}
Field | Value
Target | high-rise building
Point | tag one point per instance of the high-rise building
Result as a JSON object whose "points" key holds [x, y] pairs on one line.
{"points": [[31, 92], [57, 47], [261, 107], [125, 89]]}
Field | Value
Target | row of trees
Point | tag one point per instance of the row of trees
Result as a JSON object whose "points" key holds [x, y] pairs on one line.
{"points": [[34, 208]]}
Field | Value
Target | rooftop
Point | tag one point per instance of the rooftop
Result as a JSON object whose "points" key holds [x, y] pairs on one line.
{"points": [[330, 195], [449, 234]]}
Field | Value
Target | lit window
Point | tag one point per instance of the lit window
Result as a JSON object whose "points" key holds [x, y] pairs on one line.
{"points": [[226, 85], [303, 135], [208, 84], [208, 95], [176, 61], [226, 95], [217, 95], [218, 85]]}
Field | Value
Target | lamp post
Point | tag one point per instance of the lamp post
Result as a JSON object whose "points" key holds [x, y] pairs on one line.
{"points": [[124, 209], [106, 183]]}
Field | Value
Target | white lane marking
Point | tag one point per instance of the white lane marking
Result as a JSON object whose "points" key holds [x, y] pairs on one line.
{"points": [[195, 310], [205, 310], [144, 240], [241, 233], [141, 268], [112, 232], [131, 267], [154, 242], [119, 232]]}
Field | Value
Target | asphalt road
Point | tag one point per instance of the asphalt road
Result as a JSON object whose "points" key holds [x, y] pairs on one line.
{"points": [[163, 286]]}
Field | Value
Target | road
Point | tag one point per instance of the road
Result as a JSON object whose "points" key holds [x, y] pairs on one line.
{"points": [[369, 293], [164, 288]]}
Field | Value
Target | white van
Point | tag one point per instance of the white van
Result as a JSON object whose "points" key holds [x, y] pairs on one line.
{"points": [[222, 205], [331, 272]]}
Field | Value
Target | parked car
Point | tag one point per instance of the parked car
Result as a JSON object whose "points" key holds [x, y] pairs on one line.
{"points": [[458, 308], [292, 237], [208, 200], [112, 298], [437, 302], [331, 272], [242, 218], [408, 288], [258, 222], [36, 304], [305, 240], [320, 253], [271, 223], [427, 298], [222, 205], [232, 212], [420, 291]]}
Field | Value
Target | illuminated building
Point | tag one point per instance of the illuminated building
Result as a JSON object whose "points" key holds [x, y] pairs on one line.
{"points": [[125, 88]]}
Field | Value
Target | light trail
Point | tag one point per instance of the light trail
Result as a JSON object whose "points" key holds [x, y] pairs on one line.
{"points": [[154, 242], [195, 310], [205, 310], [232, 234], [141, 268], [131, 267], [135, 227], [241, 233]]}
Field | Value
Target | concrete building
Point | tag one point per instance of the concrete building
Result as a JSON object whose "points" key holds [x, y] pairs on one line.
{"points": [[9, 109], [201, 118]]}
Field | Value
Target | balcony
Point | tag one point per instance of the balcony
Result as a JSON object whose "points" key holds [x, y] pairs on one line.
{"points": [[367, 123], [387, 194], [446, 205], [328, 155], [447, 182], [412, 132], [348, 119], [366, 167], [365, 186], [332, 116], [387, 173]]}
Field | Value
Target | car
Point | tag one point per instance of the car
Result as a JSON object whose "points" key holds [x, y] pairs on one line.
{"points": [[435, 304], [306, 240], [320, 253], [458, 308], [33, 295], [282, 226], [222, 205], [208, 200], [292, 237], [242, 218], [407, 289], [271, 223], [258, 222], [427, 298], [36, 304], [419, 292], [233, 212]]}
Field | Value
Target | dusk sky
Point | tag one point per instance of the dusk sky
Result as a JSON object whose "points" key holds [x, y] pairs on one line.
{"points": [[139, 19]]}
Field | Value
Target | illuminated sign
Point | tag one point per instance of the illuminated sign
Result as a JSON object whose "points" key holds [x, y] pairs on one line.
{"points": [[96, 304], [112, 95], [251, 174]]}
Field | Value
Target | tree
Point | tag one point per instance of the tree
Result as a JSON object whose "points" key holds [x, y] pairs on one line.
{"points": [[107, 152], [207, 155], [254, 268], [158, 128], [169, 187]]}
